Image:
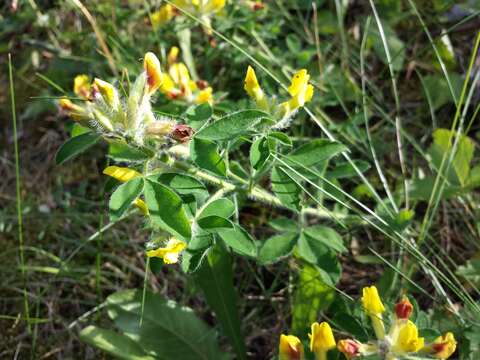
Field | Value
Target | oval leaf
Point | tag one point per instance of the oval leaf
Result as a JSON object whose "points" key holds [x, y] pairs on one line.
{"points": [[239, 240], [123, 197], [76, 145], [166, 209], [232, 125]]}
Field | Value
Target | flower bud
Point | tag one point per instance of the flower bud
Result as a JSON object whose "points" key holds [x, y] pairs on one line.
{"points": [[172, 55], [160, 128], [290, 348], [73, 110], [443, 346], [153, 71], [349, 347], [403, 309], [181, 133], [81, 86], [108, 92]]}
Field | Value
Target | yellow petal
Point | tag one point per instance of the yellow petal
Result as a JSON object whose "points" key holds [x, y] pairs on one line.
{"points": [[75, 111], [321, 338], [179, 74], [154, 72], [122, 174], [170, 253], [251, 83], [162, 16], [108, 92], [300, 90], [140, 204], [290, 348], [204, 96], [167, 84], [408, 340], [81, 85], [214, 6], [172, 55], [371, 301], [444, 346]]}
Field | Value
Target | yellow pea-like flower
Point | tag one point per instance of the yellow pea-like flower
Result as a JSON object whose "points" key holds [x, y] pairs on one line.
{"points": [[253, 89], [81, 85], [290, 348], [170, 253], [140, 204], [373, 306], [172, 55], [122, 174], [73, 110], [108, 92], [371, 301], [408, 340], [214, 6], [321, 339], [444, 346], [205, 96], [153, 70], [162, 16]]}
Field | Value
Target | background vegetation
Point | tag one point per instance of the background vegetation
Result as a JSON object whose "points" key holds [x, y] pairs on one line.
{"points": [[384, 71]]}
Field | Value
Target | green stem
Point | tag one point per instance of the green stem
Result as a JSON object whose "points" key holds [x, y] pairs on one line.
{"points": [[18, 195]]}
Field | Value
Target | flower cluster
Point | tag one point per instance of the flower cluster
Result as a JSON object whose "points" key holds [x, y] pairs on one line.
{"points": [[177, 83], [300, 90], [202, 9], [401, 340], [103, 110]]}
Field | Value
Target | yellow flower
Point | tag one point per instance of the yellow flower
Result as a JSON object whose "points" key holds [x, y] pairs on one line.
{"points": [[371, 301], [443, 346], [81, 86], [162, 16], [140, 204], [122, 174], [170, 253], [153, 71], [204, 96], [290, 348], [73, 110], [253, 89], [109, 93], [214, 6], [172, 55], [373, 306], [300, 90], [321, 339], [407, 340]]}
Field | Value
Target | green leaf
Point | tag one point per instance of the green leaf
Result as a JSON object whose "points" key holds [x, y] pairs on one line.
{"points": [[311, 296], [317, 253], [166, 209], [204, 153], [124, 196], [346, 170], [314, 152], [214, 223], [259, 153], [197, 115], [76, 145], [215, 278], [232, 125], [281, 138], [239, 240], [167, 331], [443, 145], [78, 129], [220, 207], [182, 184], [351, 325], [122, 152], [394, 44], [438, 90], [118, 345], [285, 188], [284, 224], [326, 236], [277, 247]]}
